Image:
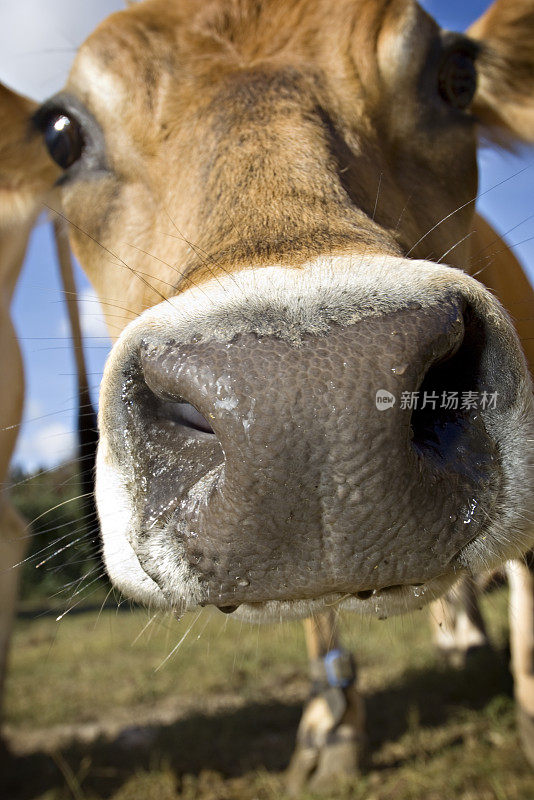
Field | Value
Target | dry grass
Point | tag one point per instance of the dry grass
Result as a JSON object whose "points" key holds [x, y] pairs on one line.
{"points": [[90, 716]]}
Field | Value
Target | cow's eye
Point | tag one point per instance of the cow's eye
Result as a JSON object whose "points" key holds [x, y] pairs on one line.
{"points": [[63, 137], [458, 79]]}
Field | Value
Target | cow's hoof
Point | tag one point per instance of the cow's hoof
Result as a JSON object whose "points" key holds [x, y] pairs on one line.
{"points": [[525, 725], [331, 744], [339, 759]]}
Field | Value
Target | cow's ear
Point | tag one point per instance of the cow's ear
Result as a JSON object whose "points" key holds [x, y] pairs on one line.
{"points": [[27, 173], [504, 100]]}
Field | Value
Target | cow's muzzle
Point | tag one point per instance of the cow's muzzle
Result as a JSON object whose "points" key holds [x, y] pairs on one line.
{"points": [[309, 447]]}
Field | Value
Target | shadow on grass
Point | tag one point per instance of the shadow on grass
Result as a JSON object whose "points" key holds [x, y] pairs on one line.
{"points": [[256, 736]]}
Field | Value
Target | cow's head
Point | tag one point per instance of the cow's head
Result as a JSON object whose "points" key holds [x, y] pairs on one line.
{"points": [[263, 180]]}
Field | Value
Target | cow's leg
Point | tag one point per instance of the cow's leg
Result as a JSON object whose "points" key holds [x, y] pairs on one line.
{"points": [[13, 544], [457, 622], [521, 581], [331, 735], [13, 539]]}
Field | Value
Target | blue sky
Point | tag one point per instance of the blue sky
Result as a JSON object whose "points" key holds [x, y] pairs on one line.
{"points": [[35, 51]]}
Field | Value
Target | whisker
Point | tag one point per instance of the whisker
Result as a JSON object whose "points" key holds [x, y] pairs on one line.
{"points": [[458, 243], [59, 505], [64, 614], [107, 250], [465, 205], [377, 196], [145, 627], [175, 648]]}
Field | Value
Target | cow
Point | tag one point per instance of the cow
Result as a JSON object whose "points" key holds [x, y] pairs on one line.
{"points": [[274, 188], [23, 189], [22, 186]]}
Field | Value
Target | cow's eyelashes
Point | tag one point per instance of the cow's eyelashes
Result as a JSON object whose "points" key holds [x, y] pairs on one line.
{"points": [[63, 136], [458, 78]]}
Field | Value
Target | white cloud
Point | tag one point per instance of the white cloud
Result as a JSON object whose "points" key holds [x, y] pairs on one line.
{"points": [[39, 39], [91, 318], [45, 446]]}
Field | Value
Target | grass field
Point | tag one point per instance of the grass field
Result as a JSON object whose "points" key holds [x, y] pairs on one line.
{"points": [[95, 711]]}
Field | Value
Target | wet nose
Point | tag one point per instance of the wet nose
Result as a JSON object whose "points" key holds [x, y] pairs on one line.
{"points": [[303, 457], [257, 393]]}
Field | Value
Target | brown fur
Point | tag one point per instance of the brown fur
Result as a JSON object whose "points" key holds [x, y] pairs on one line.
{"points": [[507, 67], [288, 126], [270, 123], [26, 173]]}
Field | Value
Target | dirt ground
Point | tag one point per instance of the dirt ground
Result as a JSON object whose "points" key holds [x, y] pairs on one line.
{"points": [[92, 711]]}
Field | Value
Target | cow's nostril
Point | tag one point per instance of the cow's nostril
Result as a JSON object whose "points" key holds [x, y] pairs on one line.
{"points": [[166, 397], [185, 414], [449, 397]]}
